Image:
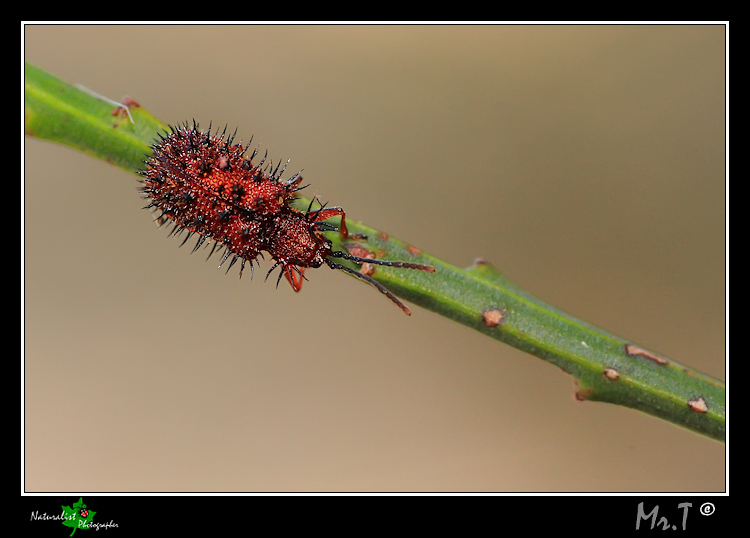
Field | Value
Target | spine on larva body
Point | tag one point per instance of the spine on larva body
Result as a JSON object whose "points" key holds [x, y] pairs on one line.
{"points": [[205, 184]]}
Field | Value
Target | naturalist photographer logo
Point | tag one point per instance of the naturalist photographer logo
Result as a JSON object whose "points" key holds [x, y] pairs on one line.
{"points": [[76, 517]]}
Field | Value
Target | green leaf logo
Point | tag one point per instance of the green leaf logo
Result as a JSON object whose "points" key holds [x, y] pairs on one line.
{"points": [[78, 516]]}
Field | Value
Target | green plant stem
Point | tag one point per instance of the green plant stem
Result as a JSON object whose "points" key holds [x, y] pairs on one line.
{"points": [[607, 368]]}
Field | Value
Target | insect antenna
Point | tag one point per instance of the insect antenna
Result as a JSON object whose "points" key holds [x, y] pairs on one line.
{"points": [[382, 289], [326, 227], [403, 265]]}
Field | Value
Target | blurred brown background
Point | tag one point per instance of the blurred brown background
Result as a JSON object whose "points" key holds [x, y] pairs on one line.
{"points": [[586, 162]]}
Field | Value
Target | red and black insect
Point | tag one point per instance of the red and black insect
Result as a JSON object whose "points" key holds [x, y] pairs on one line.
{"points": [[206, 186]]}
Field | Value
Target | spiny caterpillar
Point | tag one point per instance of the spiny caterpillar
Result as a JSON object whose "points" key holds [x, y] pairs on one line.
{"points": [[206, 186]]}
